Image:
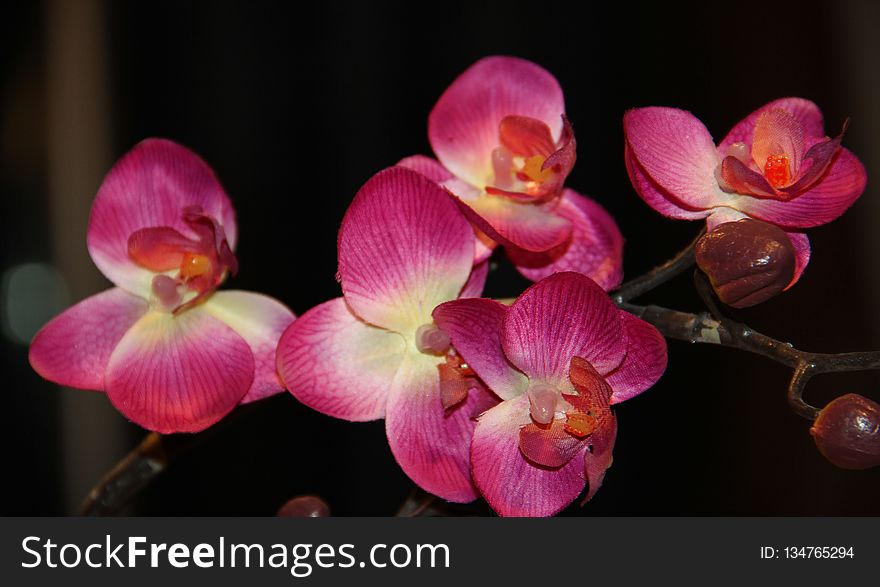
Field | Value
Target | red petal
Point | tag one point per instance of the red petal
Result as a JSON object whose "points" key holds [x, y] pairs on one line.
{"points": [[548, 446], [160, 248], [525, 137]]}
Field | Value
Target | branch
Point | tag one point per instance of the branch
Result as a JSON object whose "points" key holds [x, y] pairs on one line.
{"points": [[657, 276], [127, 477], [707, 329]]}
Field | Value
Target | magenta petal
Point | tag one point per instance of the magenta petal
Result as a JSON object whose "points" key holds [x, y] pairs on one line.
{"points": [[744, 180], [260, 321], [599, 457], [151, 186], [427, 166], [655, 196], [806, 112], [463, 127], [404, 248], [674, 150], [335, 363], [531, 227], [74, 348], [510, 483], [563, 316], [475, 283], [431, 444], [475, 328], [644, 363], [802, 254], [595, 248], [829, 197], [179, 373]]}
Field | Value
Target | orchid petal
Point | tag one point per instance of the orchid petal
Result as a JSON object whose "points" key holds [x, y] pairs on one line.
{"points": [[511, 484], [427, 166], [335, 363], [260, 321], [475, 328], [595, 248], [826, 200], [654, 195], [560, 317], [534, 228], [804, 111], [801, 244], [644, 363], [477, 281], [179, 373], [403, 249], [74, 348], [778, 132], [598, 459], [150, 187], [674, 149], [463, 127], [431, 444]]}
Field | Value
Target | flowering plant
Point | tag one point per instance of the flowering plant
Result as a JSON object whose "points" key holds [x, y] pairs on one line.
{"points": [[510, 400]]}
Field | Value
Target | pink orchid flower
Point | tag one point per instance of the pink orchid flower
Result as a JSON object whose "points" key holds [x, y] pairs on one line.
{"points": [[172, 354], [776, 165], [559, 357], [505, 149], [404, 248]]}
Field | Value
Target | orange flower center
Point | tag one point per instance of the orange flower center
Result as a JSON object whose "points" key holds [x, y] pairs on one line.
{"points": [[777, 170], [194, 265]]}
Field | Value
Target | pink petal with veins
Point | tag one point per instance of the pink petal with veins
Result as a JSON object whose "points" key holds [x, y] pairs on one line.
{"points": [[655, 196], [336, 363], [560, 317], [675, 151], [179, 373], [74, 348], [427, 166], [475, 328], [534, 228], [595, 248], [511, 484], [644, 363], [404, 248], [463, 127], [431, 444], [477, 281], [150, 187], [801, 244], [260, 321]]}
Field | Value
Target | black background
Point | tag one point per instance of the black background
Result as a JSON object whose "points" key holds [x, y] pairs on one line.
{"points": [[296, 105]]}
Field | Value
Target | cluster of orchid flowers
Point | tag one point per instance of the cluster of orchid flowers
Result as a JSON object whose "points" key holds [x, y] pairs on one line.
{"points": [[511, 401]]}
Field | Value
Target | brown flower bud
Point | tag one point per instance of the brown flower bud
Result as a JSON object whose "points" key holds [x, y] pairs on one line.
{"points": [[747, 261], [305, 506], [847, 432]]}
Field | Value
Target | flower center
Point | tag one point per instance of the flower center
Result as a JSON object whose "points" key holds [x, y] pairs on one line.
{"points": [[201, 263], [543, 399], [528, 165], [431, 340], [777, 170]]}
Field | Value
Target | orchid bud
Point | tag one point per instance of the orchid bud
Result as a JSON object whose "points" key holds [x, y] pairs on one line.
{"points": [[748, 261], [847, 432], [305, 506]]}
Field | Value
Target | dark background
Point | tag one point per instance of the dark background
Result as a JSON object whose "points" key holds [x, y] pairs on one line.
{"points": [[295, 106]]}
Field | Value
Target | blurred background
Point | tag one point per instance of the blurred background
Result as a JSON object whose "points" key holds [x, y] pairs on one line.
{"points": [[296, 107]]}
